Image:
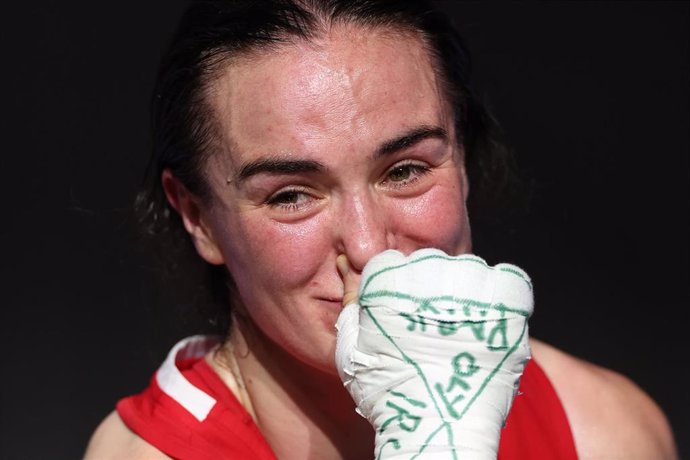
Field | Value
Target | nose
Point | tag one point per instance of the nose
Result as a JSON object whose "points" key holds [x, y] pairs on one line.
{"points": [[362, 230]]}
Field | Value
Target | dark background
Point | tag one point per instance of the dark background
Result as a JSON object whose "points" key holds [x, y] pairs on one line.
{"points": [[593, 97]]}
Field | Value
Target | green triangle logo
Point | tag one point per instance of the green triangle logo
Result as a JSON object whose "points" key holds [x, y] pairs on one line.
{"points": [[467, 344]]}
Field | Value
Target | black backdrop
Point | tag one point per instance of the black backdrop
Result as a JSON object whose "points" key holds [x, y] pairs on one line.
{"points": [[593, 97]]}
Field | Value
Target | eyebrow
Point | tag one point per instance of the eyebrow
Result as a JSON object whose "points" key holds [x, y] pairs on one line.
{"points": [[277, 165], [411, 138]]}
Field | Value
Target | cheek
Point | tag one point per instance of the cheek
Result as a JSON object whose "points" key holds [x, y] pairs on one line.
{"points": [[274, 257], [436, 219]]}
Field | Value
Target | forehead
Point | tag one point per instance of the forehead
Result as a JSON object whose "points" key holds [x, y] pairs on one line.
{"points": [[344, 93]]}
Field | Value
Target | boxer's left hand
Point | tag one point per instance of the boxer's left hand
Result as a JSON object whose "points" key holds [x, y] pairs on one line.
{"points": [[433, 350]]}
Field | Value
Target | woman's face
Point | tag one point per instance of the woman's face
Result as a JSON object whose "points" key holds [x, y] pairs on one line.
{"points": [[343, 146]]}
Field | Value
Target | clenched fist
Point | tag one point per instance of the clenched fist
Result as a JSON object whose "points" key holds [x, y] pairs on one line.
{"points": [[432, 351]]}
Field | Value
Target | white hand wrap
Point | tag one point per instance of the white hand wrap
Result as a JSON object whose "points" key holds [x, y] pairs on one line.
{"points": [[434, 351]]}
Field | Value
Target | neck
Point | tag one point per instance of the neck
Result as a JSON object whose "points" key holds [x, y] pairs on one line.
{"points": [[303, 412]]}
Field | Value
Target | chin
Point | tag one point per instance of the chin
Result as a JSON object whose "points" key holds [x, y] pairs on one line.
{"points": [[324, 362]]}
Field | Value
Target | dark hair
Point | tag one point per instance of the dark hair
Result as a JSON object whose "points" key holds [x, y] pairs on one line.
{"points": [[213, 31]]}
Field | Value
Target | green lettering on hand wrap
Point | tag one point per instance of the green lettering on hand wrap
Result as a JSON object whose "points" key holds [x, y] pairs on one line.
{"points": [[446, 316]]}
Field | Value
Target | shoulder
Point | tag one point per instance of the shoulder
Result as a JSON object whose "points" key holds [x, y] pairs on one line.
{"points": [[609, 415], [112, 440]]}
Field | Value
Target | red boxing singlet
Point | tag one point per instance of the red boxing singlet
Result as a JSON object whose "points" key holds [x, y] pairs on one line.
{"points": [[188, 413]]}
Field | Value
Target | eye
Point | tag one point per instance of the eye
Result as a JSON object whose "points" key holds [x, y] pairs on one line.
{"points": [[291, 199], [400, 173], [405, 174]]}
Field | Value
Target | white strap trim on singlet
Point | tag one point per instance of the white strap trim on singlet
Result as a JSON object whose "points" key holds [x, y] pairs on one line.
{"points": [[175, 385]]}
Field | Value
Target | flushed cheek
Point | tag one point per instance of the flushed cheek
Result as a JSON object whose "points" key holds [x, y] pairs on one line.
{"points": [[434, 219], [290, 254]]}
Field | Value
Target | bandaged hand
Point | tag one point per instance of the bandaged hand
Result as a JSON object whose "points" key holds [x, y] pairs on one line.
{"points": [[433, 350]]}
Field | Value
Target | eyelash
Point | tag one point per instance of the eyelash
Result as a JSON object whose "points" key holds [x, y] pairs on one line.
{"points": [[275, 199], [412, 167]]}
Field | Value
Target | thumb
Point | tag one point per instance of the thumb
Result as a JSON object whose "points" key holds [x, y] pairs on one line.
{"points": [[349, 280], [347, 324]]}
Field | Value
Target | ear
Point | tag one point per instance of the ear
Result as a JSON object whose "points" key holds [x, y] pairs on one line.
{"points": [[190, 210], [465, 186], [463, 174]]}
